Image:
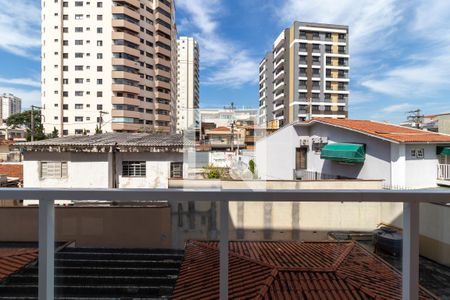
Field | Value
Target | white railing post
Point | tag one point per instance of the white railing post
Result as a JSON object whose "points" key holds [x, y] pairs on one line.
{"points": [[223, 248], [410, 258], [46, 249]]}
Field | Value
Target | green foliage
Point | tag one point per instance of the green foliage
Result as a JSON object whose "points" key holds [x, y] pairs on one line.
{"points": [[212, 172], [97, 130], [23, 119], [54, 134], [252, 166]]}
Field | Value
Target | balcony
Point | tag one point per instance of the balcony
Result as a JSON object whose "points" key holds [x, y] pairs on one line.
{"points": [[125, 10], [443, 174], [225, 199], [125, 24], [126, 36]]}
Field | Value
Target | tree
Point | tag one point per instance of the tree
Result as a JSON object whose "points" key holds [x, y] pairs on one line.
{"points": [[54, 134], [23, 119], [252, 167]]}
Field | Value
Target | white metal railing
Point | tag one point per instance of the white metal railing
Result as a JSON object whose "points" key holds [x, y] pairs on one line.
{"points": [[410, 199], [443, 171]]}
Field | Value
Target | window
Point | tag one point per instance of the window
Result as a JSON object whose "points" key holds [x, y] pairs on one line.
{"points": [[418, 153], [99, 17], [99, 30], [99, 94], [65, 119], [78, 3], [176, 170], [133, 169], [53, 169], [99, 55], [78, 106], [78, 80], [78, 42], [99, 4], [99, 43], [78, 93], [78, 29], [99, 69], [99, 106], [78, 119], [78, 17], [99, 81], [65, 106], [78, 68], [79, 55]]}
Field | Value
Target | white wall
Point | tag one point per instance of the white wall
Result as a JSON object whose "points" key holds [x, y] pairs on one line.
{"points": [[422, 173], [377, 162], [275, 154]]}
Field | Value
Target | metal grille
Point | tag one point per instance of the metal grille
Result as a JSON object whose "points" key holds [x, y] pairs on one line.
{"points": [[176, 170], [133, 168], [53, 169]]}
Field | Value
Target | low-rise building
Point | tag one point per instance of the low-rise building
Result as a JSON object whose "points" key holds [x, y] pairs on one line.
{"points": [[338, 148], [120, 160]]}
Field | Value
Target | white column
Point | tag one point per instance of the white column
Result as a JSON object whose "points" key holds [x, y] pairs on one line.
{"points": [[223, 248], [410, 269], [46, 249]]}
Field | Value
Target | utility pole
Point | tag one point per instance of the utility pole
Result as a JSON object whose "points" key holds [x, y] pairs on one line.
{"points": [[415, 117], [100, 120], [32, 120], [232, 136]]}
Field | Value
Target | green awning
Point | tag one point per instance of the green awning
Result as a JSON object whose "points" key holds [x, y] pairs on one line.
{"points": [[349, 153], [445, 151]]}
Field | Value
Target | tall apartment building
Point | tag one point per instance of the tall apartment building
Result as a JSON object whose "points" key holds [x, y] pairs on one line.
{"points": [[108, 64], [9, 105], [305, 75], [188, 93]]}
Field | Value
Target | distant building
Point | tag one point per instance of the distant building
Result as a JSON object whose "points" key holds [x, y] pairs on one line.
{"points": [[326, 148], [10, 105], [109, 64], [305, 75], [188, 84], [223, 117], [120, 160]]}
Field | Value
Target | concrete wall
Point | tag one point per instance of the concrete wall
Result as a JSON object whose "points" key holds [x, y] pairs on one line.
{"points": [[421, 173], [127, 227]]}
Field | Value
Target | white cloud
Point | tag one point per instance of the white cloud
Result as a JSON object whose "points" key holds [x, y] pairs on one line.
{"points": [[395, 108], [20, 27], [21, 81], [227, 63]]}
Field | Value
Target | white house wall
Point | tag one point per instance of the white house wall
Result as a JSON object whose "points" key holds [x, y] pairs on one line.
{"points": [[421, 173], [377, 162], [275, 154]]}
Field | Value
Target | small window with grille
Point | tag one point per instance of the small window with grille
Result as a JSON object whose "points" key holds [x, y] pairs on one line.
{"points": [[53, 169], [133, 169], [176, 170]]}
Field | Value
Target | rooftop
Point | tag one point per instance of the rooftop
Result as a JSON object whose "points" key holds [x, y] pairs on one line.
{"points": [[14, 259], [390, 132], [289, 270], [136, 141], [12, 170]]}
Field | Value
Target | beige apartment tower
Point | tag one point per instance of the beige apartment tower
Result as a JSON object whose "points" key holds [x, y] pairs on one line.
{"points": [[188, 89], [108, 64], [305, 75]]}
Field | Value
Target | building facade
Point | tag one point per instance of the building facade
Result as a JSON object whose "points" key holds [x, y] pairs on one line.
{"points": [[108, 65], [9, 105], [327, 148], [188, 84], [309, 63]]}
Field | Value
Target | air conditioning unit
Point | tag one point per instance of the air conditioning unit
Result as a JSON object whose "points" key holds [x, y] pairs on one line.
{"points": [[304, 141]]}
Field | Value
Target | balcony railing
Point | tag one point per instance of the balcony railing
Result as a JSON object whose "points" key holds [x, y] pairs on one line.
{"points": [[410, 200], [443, 172]]}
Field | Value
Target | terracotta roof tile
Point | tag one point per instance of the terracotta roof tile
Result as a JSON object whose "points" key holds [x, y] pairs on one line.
{"points": [[14, 259], [12, 170], [223, 129], [289, 270], [386, 131]]}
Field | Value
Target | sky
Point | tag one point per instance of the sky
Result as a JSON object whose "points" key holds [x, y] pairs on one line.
{"points": [[399, 50]]}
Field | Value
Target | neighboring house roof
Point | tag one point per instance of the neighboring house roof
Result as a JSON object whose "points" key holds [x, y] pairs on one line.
{"points": [[390, 132], [119, 139], [14, 259], [6, 142], [289, 270], [220, 129], [12, 170]]}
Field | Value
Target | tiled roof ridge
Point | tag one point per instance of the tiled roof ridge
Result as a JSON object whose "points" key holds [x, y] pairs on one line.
{"points": [[333, 268], [216, 248], [267, 284], [410, 128]]}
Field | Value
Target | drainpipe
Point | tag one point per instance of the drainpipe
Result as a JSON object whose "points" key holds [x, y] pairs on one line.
{"points": [[114, 150]]}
